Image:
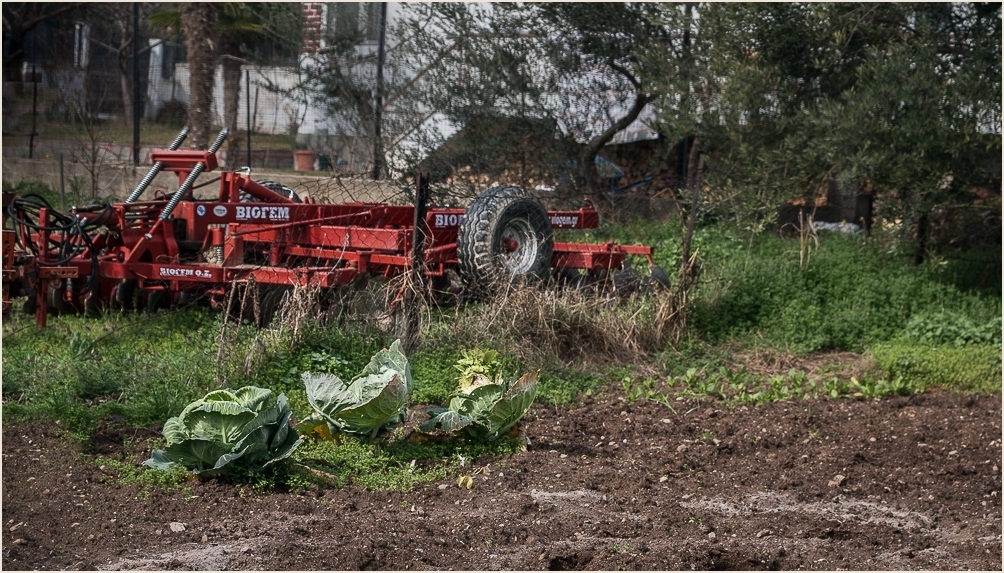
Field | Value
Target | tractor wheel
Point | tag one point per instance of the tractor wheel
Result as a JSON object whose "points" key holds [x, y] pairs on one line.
{"points": [[505, 235], [272, 186]]}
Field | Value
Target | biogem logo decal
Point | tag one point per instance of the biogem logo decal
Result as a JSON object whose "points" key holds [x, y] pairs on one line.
{"points": [[257, 213], [183, 272], [446, 220], [564, 221]]}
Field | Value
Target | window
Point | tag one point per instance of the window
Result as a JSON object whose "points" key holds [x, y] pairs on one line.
{"points": [[355, 18]]}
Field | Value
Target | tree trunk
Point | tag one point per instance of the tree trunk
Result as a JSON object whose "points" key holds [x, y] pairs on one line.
{"points": [[122, 66], [231, 98], [199, 22], [587, 158], [923, 228]]}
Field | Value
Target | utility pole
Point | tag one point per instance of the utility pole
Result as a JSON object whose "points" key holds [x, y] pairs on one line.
{"points": [[377, 142]]}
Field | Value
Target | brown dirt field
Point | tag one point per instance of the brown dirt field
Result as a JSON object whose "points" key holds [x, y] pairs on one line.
{"points": [[602, 485]]}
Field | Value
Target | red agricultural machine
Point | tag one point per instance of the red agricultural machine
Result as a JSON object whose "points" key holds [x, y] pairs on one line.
{"points": [[175, 248]]}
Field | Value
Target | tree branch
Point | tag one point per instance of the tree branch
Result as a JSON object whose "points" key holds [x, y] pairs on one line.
{"points": [[625, 72]]}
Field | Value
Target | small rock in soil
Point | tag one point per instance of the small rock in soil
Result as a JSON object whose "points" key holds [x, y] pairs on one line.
{"points": [[763, 533], [837, 480], [177, 527], [20, 541], [712, 536], [205, 538]]}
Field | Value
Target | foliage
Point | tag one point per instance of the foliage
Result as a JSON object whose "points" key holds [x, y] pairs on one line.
{"points": [[971, 368], [228, 430], [477, 367], [485, 405], [952, 329], [373, 401], [899, 99], [399, 465]]}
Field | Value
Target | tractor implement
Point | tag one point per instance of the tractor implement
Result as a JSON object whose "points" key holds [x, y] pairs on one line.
{"points": [[176, 248]]}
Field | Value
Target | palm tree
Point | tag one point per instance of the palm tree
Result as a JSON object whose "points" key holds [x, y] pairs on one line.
{"points": [[198, 20], [240, 27]]}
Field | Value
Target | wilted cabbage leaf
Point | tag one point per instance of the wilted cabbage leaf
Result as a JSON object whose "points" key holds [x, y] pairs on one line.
{"points": [[486, 411], [228, 430], [374, 400]]}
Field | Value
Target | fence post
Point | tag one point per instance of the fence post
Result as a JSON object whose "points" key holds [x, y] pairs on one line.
{"points": [[135, 83], [62, 185], [34, 111], [247, 100], [416, 287]]}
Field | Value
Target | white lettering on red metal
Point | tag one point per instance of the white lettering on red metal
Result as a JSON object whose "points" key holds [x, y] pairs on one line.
{"points": [[564, 220], [181, 272], [444, 220], [262, 213]]}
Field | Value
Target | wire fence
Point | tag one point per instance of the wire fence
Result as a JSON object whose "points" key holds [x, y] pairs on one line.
{"points": [[80, 115]]}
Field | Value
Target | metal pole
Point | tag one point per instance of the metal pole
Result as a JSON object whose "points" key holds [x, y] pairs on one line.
{"points": [[411, 311], [247, 99], [135, 83], [377, 144], [34, 109], [62, 185]]}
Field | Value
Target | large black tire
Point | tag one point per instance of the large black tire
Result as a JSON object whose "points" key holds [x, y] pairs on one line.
{"points": [[272, 186], [506, 235]]}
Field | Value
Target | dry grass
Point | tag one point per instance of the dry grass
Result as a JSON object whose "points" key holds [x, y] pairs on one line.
{"points": [[576, 327], [768, 362]]}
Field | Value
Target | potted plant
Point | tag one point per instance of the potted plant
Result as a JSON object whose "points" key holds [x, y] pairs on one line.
{"points": [[303, 156]]}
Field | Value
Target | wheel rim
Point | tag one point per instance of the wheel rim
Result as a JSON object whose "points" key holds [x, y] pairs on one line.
{"points": [[519, 246]]}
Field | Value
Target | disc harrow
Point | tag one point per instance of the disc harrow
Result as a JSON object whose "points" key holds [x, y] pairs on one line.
{"points": [[174, 248]]}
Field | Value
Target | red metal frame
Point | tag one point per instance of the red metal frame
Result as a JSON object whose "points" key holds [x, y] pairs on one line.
{"points": [[207, 246]]}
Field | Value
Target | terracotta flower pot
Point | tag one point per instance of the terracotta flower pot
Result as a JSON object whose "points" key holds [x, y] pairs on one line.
{"points": [[304, 159]]}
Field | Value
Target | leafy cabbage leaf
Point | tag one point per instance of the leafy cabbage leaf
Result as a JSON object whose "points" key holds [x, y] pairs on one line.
{"points": [[228, 430], [487, 411], [374, 400]]}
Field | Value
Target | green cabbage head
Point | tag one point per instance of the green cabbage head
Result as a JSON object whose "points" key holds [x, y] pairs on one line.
{"points": [[228, 430], [376, 399], [485, 410]]}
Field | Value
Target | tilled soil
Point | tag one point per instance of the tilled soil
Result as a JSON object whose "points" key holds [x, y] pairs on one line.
{"points": [[902, 483]]}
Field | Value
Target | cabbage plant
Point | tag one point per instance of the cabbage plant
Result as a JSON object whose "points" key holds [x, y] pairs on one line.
{"points": [[228, 430], [374, 400], [483, 408]]}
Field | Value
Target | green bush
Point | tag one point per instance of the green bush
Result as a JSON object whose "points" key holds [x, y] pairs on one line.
{"points": [[973, 368]]}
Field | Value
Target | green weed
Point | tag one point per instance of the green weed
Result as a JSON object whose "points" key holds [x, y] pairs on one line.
{"points": [[973, 368]]}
